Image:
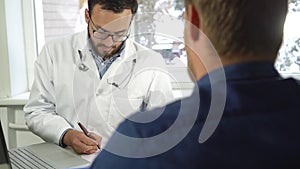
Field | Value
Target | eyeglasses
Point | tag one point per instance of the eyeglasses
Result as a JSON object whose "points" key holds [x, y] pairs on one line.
{"points": [[102, 34]]}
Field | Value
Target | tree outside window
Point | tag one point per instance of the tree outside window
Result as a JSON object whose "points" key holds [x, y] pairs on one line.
{"points": [[288, 60], [153, 13], [159, 26]]}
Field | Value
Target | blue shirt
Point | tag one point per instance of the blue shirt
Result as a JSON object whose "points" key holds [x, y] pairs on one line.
{"points": [[259, 126], [102, 64]]}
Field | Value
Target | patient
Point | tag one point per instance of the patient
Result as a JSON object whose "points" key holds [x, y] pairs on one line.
{"points": [[242, 114]]}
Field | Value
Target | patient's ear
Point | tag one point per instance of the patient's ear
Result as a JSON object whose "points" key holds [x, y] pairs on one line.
{"points": [[193, 17]]}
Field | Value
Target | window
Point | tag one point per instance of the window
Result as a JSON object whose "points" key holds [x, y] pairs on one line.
{"points": [[158, 25], [17, 46], [288, 61], [149, 29], [161, 30]]}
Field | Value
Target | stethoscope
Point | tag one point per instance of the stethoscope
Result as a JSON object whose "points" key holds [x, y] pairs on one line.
{"points": [[84, 68], [81, 65], [129, 76]]}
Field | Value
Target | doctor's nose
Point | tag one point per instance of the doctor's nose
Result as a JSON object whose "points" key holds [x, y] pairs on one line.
{"points": [[109, 42]]}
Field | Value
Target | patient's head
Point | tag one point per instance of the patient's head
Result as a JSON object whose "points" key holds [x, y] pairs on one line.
{"points": [[242, 27]]}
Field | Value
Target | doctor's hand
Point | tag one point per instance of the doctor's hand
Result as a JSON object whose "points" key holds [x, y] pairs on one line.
{"points": [[81, 143]]}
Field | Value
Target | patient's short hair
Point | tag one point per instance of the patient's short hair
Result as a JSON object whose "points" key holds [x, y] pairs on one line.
{"points": [[243, 26]]}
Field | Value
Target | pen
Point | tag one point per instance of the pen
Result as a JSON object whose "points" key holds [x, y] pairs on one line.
{"points": [[85, 131]]}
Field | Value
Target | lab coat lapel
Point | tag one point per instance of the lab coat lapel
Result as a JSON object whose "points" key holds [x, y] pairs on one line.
{"points": [[80, 42], [89, 61], [121, 70], [85, 86]]}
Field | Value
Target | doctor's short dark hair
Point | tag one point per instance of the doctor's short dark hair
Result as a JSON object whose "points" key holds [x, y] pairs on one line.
{"points": [[117, 6], [243, 27]]}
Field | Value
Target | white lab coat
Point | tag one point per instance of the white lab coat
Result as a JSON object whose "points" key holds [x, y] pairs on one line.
{"points": [[62, 94]]}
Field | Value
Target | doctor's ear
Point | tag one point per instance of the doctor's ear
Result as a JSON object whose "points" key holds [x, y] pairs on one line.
{"points": [[192, 16], [87, 16]]}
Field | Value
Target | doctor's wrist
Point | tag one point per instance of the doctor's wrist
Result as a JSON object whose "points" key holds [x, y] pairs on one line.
{"points": [[62, 139]]}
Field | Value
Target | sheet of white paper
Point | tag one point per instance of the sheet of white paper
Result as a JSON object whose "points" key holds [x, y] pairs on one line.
{"points": [[90, 157]]}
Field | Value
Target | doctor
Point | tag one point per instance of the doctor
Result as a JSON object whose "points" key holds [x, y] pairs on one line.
{"points": [[97, 77]]}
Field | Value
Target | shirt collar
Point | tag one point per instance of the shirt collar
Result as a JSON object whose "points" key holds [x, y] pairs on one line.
{"points": [[250, 70]]}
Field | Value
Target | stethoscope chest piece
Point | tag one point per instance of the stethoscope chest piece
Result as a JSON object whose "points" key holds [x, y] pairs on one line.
{"points": [[82, 67]]}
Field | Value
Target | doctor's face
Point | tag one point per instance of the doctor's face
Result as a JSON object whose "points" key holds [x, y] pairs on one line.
{"points": [[108, 30]]}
